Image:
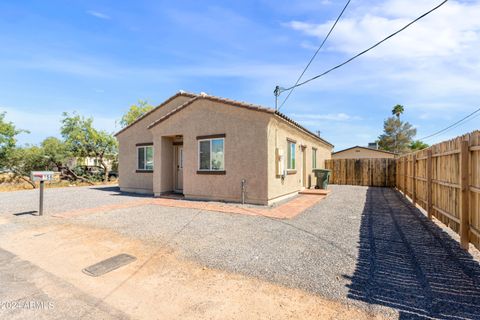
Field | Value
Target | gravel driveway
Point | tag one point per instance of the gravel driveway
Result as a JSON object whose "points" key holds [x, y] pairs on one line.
{"points": [[57, 200], [362, 246]]}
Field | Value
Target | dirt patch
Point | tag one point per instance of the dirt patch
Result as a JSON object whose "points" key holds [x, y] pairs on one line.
{"points": [[161, 285]]}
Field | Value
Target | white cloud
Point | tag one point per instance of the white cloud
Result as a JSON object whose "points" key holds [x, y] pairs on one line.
{"points": [[449, 31], [432, 65], [98, 15]]}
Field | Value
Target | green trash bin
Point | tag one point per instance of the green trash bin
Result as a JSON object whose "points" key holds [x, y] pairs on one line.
{"points": [[323, 175]]}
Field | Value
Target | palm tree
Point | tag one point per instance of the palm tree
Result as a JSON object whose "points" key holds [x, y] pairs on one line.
{"points": [[398, 110]]}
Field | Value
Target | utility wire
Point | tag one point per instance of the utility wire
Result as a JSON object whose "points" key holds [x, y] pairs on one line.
{"points": [[316, 52], [366, 50], [453, 125]]}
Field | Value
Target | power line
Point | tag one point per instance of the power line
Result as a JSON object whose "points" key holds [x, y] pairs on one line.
{"points": [[366, 50], [453, 125], [316, 52]]}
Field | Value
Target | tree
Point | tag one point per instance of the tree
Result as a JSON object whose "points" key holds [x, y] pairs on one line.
{"points": [[398, 110], [135, 112], [22, 161], [397, 135], [57, 154], [83, 140], [8, 140], [418, 145]]}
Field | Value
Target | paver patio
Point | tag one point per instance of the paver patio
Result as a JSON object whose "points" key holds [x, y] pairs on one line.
{"points": [[287, 210]]}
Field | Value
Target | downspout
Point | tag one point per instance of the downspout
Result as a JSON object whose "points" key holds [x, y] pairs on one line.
{"points": [[244, 183]]}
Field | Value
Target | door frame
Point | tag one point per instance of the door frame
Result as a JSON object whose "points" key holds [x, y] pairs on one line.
{"points": [[304, 166], [176, 170]]}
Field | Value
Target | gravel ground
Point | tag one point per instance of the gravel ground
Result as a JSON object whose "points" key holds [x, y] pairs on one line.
{"points": [[58, 200], [362, 246]]}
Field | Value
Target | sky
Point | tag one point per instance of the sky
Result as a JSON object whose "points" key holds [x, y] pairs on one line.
{"points": [[99, 57]]}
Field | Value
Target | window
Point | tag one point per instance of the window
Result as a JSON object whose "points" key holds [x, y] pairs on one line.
{"points": [[145, 158], [314, 158], [291, 155], [211, 155]]}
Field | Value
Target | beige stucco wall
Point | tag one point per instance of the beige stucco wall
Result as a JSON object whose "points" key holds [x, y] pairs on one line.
{"points": [[361, 153], [245, 151], [129, 179], [278, 133]]}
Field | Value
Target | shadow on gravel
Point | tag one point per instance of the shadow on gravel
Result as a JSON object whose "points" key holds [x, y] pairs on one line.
{"points": [[407, 263], [31, 213], [115, 190]]}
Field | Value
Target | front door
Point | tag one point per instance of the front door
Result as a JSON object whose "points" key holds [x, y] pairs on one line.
{"points": [[179, 166]]}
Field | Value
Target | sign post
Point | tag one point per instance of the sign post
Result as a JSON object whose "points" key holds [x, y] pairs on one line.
{"points": [[41, 176]]}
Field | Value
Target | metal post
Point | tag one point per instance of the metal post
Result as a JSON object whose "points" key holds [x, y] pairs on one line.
{"points": [[243, 190], [276, 92], [40, 211]]}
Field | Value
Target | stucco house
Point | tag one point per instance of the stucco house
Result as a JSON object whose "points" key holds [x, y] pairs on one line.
{"points": [[213, 148], [358, 152]]}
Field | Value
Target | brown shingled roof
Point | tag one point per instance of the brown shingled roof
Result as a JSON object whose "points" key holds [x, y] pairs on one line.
{"points": [[180, 93], [235, 103]]}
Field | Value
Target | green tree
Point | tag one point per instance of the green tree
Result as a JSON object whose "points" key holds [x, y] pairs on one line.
{"points": [[418, 145], [83, 140], [397, 135], [22, 161], [398, 110], [8, 140], [58, 154], [135, 112]]}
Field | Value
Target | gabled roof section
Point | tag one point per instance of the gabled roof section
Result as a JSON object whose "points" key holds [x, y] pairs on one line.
{"points": [[378, 150], [240, 104], [180, 93]]}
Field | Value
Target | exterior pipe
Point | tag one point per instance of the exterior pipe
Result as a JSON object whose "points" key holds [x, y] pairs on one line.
{"points": [[244, 182]]}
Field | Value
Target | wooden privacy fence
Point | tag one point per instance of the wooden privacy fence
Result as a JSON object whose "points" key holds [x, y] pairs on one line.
{"points": [[444, 179], [362, 172]]}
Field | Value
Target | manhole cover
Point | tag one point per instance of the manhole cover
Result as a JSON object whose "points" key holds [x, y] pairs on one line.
{"points": [[108, 265]]}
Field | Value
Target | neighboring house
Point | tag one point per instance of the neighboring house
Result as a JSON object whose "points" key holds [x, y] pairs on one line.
{"points": [[88, 161], [205, 146], [358, 152]]}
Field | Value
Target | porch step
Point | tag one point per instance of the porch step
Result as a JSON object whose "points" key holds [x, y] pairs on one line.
{"points": [[320, 192], [172, 195]]}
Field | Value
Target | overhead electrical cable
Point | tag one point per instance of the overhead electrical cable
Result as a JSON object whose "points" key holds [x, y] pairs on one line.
{"points": [[453, 125], [366, 50], [316, 52]]}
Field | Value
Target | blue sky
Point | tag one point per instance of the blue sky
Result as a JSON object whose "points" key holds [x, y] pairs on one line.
{"points": [[99, 57]]}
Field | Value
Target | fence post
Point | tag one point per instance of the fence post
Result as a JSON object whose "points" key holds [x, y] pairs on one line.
{"points": [[414, 185], [464, 195], [405, 174], [429, 184]]}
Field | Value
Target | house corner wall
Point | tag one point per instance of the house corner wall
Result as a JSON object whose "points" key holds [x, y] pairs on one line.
{"points": [[279, 132]]}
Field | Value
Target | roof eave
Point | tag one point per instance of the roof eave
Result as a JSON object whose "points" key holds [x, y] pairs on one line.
{"points": [[302, 128], [185, 94]]}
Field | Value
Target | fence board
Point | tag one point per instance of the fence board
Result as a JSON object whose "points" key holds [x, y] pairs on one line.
{"points": [[431, 177], [437, 177], [362, 172]]}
